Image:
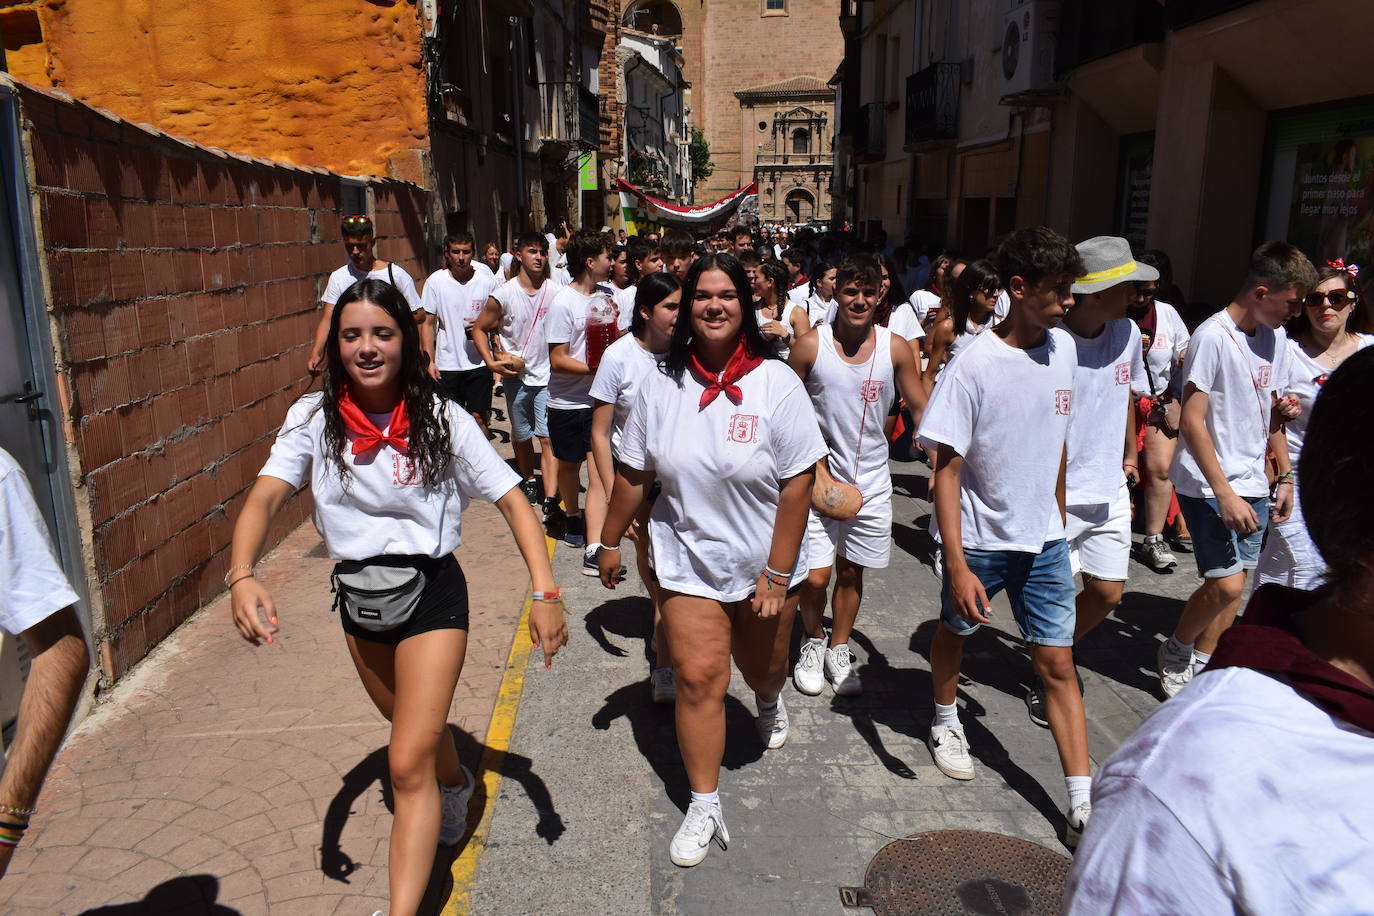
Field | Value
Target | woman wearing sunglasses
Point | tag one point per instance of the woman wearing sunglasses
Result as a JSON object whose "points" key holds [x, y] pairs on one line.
{"points": [[1319, 340]]}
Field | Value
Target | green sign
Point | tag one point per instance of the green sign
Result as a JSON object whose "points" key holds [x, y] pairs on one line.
{"points": [[586, 172]]}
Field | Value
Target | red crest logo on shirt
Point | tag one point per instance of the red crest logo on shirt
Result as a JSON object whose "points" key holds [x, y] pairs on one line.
{"points": [[743, 427], [1321, 379], [404, 472], [1063, 398], [870, 390], [1123, 373], [1264, 374]]}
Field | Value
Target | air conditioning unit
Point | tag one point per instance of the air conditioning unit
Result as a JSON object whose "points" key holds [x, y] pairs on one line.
{"points": [[1028, 37]]}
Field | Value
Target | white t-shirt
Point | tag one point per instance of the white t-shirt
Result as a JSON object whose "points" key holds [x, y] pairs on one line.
{"points": [[456, 306], [1109, 368], [923, 301], [1006, 411], [507, 259], [522, 326], [625, 301], [560, 275], [623, 367], [567, 324], [904, 322], [1238, 372], [1167, 349], [385, 509], [1305, 378], [818, 311], [1001, 308], [341, 279], [1237, 796], [721, 468], [799, 294], [32, 584]]}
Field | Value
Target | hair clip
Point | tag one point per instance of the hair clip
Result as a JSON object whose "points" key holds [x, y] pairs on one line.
{"points": [[1339, 264]]}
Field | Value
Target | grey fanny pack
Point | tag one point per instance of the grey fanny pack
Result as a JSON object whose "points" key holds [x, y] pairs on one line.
{"points": [[376, 596]]}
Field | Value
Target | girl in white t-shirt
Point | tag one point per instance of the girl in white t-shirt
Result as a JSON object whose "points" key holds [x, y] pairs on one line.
{"points": [[730, 435], [390, 466], [971, 301], [1318, 341], [614, 390]]}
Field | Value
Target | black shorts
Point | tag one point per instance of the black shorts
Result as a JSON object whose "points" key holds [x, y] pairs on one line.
{"points": [[470, 389], [570, 433], [443, 604]]}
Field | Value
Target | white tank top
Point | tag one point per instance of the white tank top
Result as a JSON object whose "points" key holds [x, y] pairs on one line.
{"points": [[851, 403]]}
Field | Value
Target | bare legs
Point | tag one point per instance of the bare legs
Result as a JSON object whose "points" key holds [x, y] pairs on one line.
{"points": [[844, 603], [1209, 611]]}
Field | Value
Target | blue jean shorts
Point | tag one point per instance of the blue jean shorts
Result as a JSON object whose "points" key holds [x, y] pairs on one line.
{"points": [[1039, 586], [526, 405], [1219, 551]]}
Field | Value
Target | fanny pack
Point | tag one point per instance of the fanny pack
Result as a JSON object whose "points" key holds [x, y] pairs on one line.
{"points": [[377, 596]]}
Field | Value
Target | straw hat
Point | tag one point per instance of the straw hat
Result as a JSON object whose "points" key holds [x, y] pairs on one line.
{"points": [[1108, 261]]}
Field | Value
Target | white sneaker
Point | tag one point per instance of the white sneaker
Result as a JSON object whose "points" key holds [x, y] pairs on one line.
{"points": [[937, 562], [807, 674], [839, 671], [1077, 820], [662, 685], [453, 808], [949, 748], [772, 725], [692, 841], [1175, 671]]}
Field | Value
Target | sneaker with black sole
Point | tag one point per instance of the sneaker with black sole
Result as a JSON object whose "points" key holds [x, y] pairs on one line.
{"points": [[575, 531], [1035, 703], [591, 565], [531, 490], [1154, 554]]}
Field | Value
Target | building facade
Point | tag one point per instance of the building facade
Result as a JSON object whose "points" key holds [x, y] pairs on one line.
{"points": [[657, 131], [792, 125]]}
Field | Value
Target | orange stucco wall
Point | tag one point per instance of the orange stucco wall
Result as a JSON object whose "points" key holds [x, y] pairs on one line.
{"points": [[332, 83]]}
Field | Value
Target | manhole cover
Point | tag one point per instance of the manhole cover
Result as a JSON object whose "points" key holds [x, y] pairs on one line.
{"points": [[959, 872]]}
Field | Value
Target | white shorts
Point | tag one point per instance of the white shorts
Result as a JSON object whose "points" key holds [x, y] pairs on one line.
{"points": [[1289, 557], [865, 540], [1099, 538]]}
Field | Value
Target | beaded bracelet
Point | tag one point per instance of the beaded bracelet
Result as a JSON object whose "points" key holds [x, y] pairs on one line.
{"points": [[17, 812], [10, 825]]}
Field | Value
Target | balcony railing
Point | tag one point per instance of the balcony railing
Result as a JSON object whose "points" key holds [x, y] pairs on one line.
{"points": [[797, 159], [870, 137], [932, 104]]}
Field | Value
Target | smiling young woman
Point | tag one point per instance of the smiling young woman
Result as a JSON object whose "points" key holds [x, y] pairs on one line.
{"points": [[390, 465]]}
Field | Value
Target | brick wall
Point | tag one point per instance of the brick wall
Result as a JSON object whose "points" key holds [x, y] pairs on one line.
{"points": [[183, 285]]}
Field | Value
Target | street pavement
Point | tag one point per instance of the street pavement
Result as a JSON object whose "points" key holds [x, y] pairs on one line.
{"points": [[221, 779]]}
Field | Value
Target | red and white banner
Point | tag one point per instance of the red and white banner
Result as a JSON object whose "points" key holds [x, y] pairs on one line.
{"points": [[662, 211]]}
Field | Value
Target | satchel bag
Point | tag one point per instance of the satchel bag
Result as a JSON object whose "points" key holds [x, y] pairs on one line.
{"points": [[377, 597]]}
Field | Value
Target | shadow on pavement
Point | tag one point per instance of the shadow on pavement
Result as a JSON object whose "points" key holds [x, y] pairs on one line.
{"points": [[915, 541], [187, 894], [1122, 647], [915, 486], [631, 617]]}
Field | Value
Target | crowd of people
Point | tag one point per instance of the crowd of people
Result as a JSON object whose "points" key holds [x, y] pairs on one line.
{"points": [[730, 404]]}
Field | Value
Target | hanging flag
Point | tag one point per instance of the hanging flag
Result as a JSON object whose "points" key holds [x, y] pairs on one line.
{"points": [[679, 215]]}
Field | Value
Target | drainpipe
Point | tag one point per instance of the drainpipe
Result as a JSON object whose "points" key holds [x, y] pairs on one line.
{"points": [[518, 126]]}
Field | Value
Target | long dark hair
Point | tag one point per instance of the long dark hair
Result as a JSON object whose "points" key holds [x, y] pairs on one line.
{"points": [[650, 291], [977, 275], [675, 363], [429, 430], [818, 271], [777, 272]]}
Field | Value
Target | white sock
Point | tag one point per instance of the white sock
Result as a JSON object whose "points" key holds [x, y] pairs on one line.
{"points": [[1080, 790], [1200, 659], [1153, 538], [1177, 649], [710, 798], [946, 715], [818, 640]]}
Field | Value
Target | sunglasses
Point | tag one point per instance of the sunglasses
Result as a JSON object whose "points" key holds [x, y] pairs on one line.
{"points": [[1339, 298], [1142, 290], [356, 221]]}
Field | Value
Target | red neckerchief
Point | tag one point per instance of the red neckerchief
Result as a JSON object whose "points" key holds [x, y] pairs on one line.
{"points": [[740, 364], [802, 280], [368, 435], [1267, 640]]}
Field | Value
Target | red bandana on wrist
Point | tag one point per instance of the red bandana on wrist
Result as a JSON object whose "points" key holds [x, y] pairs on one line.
{"points": [[367, 433], [741, 363]]}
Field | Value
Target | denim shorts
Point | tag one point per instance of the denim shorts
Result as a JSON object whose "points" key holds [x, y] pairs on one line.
{"points": [[1219, 551], [1039, 586], [526, 406]]}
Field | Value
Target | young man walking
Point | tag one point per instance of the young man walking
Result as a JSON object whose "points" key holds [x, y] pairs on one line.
{"points": [[454, 297], [1232, 377], [570, 383], [998, 421], [516, 311], [850, 369]]}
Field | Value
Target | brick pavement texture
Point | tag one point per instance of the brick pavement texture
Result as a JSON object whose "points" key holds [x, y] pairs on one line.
{"points": [[224, 779]]}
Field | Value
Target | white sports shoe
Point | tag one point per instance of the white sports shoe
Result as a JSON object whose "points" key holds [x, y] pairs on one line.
{"points": [[662, 685], [453, 808], [692, 841], [949, 748], [839, 671], [937, 562], [772, 725], [1175, 670], [807, 674], [1077, 820]]}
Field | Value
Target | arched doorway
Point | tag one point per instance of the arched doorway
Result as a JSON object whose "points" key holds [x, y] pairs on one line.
{"points": [[657, 17], [800, 206]]}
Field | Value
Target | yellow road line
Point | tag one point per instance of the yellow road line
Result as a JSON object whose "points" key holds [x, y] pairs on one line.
{"points": [[464, 869]]}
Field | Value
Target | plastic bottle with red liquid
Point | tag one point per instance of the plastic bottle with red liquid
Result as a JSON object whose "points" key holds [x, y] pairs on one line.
{"points": [[602, 316]]}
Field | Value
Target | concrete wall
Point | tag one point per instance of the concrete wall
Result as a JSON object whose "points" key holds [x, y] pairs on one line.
{"points": [[183, 288]]}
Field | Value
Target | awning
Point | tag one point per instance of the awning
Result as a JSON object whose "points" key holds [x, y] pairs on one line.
{"points": [[676, 214]]}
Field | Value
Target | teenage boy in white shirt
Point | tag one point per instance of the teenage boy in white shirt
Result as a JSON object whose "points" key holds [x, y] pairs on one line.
{"points": [[1100, 466], [455, 295], [516, 312], [359, 241], [645, 258], [570, 384], [999, 421], [850, 369], [1235, 368]]}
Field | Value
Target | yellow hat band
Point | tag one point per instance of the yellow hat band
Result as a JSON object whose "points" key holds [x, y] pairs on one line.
{"points": [[1111, 273]]}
